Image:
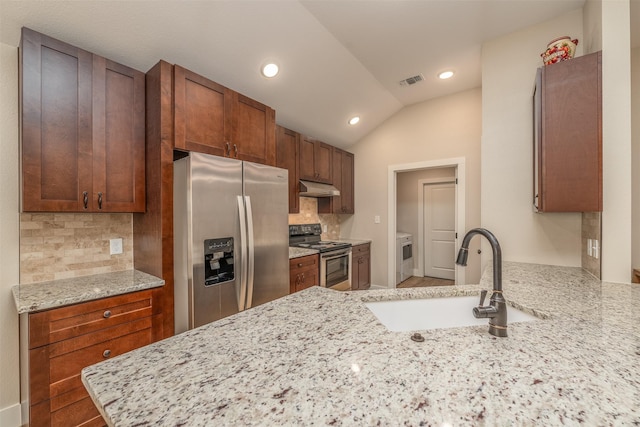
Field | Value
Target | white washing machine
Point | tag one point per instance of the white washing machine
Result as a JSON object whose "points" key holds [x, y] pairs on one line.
{"points": [[404, 256]]}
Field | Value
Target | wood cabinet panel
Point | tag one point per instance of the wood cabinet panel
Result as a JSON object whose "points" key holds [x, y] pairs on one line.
{"points": [[361, 270], [118, 137], [202, 113], [568, 136], [67, 339], [82, 130], [315, 160], [287, 157], [56, 123], [304, 272], [254, 131], [342, 169]]}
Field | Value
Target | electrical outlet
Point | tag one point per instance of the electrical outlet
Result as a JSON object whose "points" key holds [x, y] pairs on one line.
{"points": [[596, 249], [589, 247], [376, 219], [324, 228], [115, 246]]}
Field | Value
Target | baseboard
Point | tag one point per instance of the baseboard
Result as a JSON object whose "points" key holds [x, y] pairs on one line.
{"points": [[10, 416]]}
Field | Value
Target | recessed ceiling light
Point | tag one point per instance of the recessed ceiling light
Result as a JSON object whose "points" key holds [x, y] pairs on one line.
{"points": [[354, 120], [445, 75], [270, 70]]}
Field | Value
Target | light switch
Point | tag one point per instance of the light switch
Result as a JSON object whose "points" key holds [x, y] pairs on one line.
{"points": [[115, 246], [376, 219], [596, 249]]}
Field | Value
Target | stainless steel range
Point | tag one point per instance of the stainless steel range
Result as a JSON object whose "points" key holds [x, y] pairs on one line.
{"points": [[335, 257]]}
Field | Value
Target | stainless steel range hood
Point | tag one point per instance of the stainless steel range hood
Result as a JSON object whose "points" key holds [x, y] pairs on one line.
{"points": [[315, 189]]}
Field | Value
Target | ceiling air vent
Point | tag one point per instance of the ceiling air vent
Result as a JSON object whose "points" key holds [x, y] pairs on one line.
{"points": [[412, 80]]}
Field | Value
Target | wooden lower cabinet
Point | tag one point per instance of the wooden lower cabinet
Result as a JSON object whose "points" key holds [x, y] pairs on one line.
{"points": [[63, 341], [304, 272], [361, 269]]}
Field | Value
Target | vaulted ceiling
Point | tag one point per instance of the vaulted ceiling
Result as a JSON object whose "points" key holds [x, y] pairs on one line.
{"points": [[337, 58]]}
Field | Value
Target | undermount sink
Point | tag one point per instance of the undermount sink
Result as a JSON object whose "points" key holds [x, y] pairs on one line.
{"points": [[435, 313]]}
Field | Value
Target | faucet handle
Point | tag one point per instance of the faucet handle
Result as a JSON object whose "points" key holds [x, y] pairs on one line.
{"points": [[483, 295]]}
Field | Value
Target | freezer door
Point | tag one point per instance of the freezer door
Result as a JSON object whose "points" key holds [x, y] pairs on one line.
{"points": [[213, 185], [267, 202]]}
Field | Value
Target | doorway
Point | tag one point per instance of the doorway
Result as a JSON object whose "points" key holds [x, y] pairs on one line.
{"points": [[457, 167], [437, 213]]}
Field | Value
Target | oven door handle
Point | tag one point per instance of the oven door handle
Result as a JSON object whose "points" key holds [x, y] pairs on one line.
{"points": [[334, 256]]}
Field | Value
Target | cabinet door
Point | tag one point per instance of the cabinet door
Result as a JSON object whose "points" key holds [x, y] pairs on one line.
{"points": [[304, 272], [56, 124], [322, 162], [307, 159], [287, 144], [254, 131], [346, 189], [342, 164], [569, 139], [202, 114], [118, 137], [364, 271]]}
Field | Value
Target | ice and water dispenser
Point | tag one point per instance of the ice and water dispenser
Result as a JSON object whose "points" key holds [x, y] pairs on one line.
{"points": [[218, 261]]}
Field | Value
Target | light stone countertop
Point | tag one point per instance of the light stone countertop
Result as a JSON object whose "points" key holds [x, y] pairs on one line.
{"points": [[355, 242], [300, 252], [321, 357], [57, 293]]}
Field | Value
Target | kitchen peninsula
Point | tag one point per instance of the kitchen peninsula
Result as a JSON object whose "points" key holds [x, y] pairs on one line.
{"points": [[322, 356]]}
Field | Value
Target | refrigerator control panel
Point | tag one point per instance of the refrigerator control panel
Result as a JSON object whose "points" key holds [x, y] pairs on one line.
{"points": [[218, 261]]}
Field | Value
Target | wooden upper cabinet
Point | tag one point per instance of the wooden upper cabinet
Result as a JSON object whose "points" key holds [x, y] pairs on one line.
{"points": [[83, 130], [568, 136], [315, 160], [253, 135], [118, 137], [202, 114], [342, 169], [210, 118], [287, 154]]}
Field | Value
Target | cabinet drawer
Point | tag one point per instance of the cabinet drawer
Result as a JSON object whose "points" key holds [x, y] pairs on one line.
{"points": [[83, 412], [303, 262], [63, 367], [360, 249], [63, 323]]}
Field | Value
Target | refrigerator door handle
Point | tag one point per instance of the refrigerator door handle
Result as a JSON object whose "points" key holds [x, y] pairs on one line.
{"points": [[241, 291], [250, 252]]}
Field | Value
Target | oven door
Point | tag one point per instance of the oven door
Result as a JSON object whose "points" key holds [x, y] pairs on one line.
{"points": [[335, 269]]}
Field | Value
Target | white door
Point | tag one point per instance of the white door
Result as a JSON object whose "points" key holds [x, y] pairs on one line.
{"points": [[439, 230]]}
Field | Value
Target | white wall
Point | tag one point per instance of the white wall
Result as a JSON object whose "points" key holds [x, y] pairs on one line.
{"points": [[616, 142], [442, 128], [9, 234], [508, 71]]}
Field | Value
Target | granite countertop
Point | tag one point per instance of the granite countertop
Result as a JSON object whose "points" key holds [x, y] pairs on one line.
{"points": [[355, 242], [57, 293], [300, 252], [321, 357]]}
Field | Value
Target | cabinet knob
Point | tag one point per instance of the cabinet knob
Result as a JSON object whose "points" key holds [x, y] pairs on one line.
{"points": [[106, 353], [85, 199], [107, 314], [299, 264], [99, 200]]}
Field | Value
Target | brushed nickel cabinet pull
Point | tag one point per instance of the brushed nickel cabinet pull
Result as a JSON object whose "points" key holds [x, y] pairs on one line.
{"points": [[85, 199], [99, 200], [227, 149], [235, 148], [106, 353]]}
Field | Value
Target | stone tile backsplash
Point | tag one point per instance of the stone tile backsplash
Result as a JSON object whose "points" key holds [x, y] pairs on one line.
{"points": [[309, 215], [64, 245]]}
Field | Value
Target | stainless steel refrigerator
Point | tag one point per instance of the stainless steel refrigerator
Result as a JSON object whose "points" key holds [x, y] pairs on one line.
{"points": [[231, 239]]}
